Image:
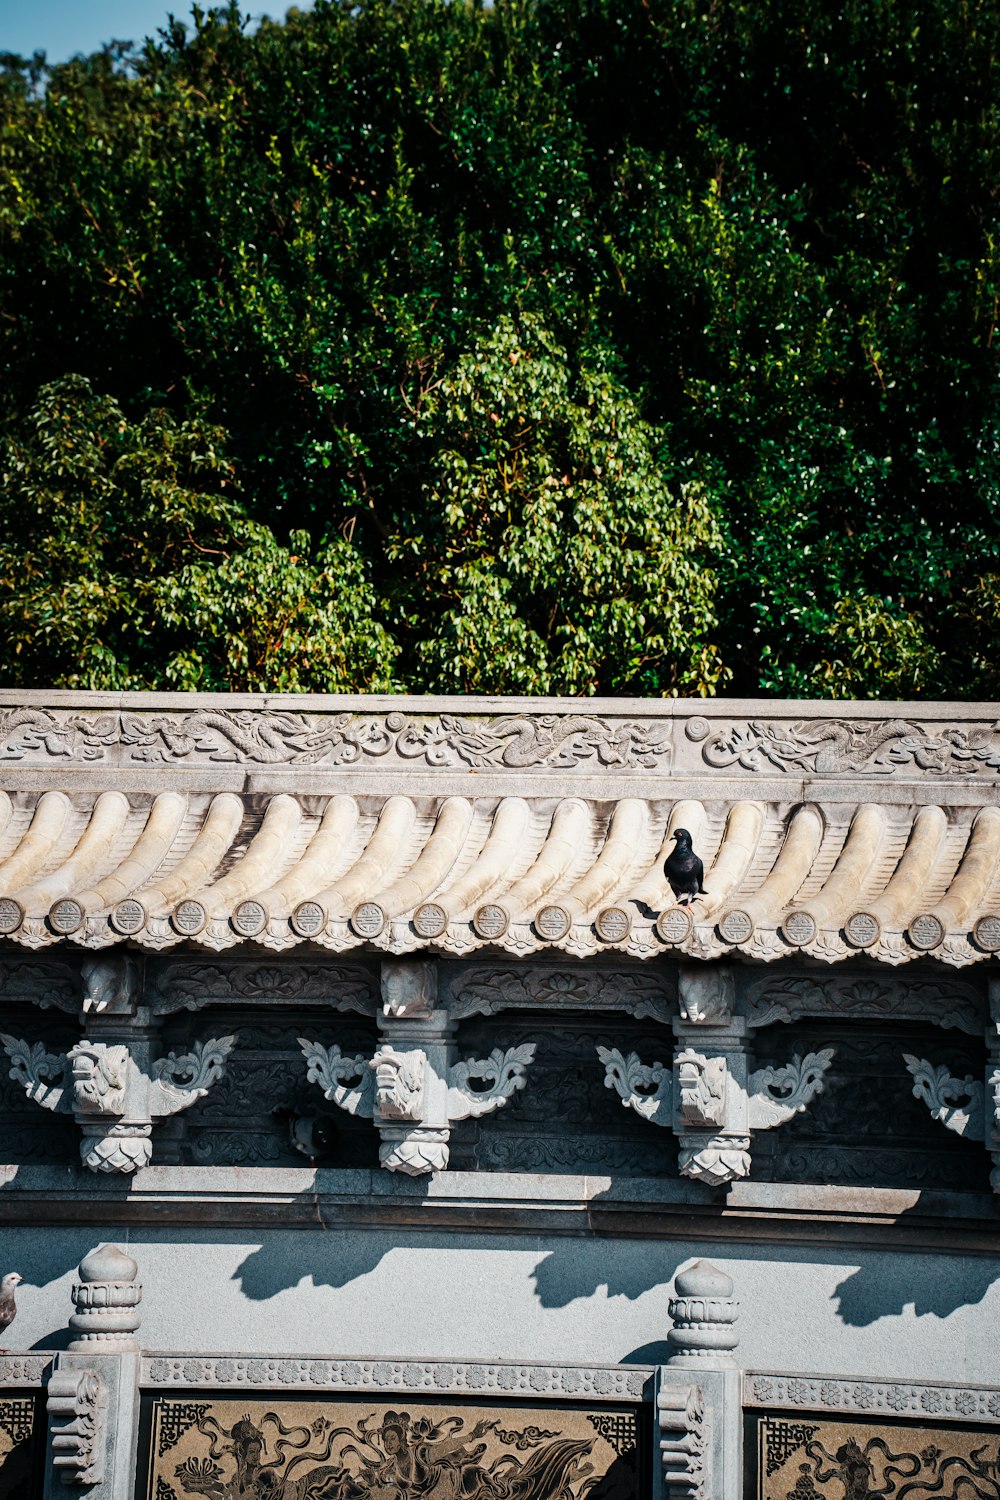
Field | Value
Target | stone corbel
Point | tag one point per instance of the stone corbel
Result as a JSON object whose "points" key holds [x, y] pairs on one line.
{"points": [[414, 1088], [710, 1098], [114, 1098]]}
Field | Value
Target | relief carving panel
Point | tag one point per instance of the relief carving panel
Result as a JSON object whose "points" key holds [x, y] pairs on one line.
{"points": [[239, 1449], [804, 1457]]}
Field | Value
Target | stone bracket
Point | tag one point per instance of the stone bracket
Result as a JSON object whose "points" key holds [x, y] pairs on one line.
{"points": [[415, 1088], [709, 1097], [113, 1089]]}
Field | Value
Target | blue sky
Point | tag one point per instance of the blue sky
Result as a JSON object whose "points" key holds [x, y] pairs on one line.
{"points": [[61, 28]]}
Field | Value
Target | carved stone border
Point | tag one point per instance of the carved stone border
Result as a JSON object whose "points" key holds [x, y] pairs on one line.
{"points": [[575, 1382], [895, 1398], [23, 1369]]}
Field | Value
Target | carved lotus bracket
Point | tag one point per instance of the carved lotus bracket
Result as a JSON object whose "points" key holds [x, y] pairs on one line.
{"points": [[113, 1097], [709, 1098], [415, 1088]]}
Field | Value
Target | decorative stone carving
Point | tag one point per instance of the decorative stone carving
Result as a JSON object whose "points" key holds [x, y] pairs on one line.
{"points": [[709, 1099], [684, 1444], [486, 989], [347, 1081], [78, 1412], [958, 1103], [115, 1100], [420, 1088], [827, 747], [861, 1394], [186, 984], [45, 982], [705, 994], [106, 1301], [399, 1083], [507, 741], [645, 1088], [703, 1312], [964, 1105], [409, 987], [477, 1088], [701, 1088], [418, 1377], [943, 1002], [776, 1094], [110, 984]]}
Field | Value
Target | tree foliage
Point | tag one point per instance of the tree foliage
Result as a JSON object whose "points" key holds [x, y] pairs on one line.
{"points": [[548, 345]]}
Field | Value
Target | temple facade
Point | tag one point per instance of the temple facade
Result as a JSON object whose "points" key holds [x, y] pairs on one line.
{"points": [[377, 1120]]}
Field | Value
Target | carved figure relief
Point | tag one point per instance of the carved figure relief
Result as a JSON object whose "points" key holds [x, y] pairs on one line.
{"points": [[399, 1082], [816, 1458], [288, 1449], [112, 1099]]}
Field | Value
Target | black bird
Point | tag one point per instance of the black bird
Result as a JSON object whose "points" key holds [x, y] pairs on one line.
{"points": [[314, 1135], [8, 1307], [685, 870]]}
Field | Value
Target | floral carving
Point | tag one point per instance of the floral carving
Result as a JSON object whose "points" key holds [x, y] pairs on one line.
{"points": [[479, 1086], [949, 1003], [348, 1081], [646, 1089], [958, 1103], [776, 1094]]}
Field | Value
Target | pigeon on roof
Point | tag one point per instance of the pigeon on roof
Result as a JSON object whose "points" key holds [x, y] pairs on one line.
{"points": [[8, 1307], [315, 1136], [685, 870]]}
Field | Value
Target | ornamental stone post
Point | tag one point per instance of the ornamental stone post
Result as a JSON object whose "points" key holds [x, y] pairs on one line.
{"points": [[698, 1394], [93, 1392]]}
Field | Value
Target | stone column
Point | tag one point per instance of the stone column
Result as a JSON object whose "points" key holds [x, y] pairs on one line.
{"points": [[698, 1397], [93, 1393]]}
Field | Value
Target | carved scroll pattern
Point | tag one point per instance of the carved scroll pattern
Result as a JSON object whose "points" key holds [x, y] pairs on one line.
{"points": [[646, 1089], [776, 1094], [347, 1081], [478, 1087]]}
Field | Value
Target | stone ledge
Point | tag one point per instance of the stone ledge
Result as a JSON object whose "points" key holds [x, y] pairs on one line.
{"points": [[514, 1203]]}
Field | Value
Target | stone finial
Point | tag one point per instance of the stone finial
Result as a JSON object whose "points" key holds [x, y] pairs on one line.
{"points": [[106, 1299], [703, 1312]]}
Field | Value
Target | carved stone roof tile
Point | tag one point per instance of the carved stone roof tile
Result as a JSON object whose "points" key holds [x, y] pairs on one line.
{"points": [[456, 824]]}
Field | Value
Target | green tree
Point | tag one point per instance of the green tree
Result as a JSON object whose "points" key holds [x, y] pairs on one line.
{"points": [[126, 561]]}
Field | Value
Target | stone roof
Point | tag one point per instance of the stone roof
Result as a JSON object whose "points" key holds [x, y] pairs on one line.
{"points": [[518, 824]]}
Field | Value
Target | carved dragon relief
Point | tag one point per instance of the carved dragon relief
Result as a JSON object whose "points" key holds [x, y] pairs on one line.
{"points": [[112, 1099], [966, 1106], [709, 1107], [507, 741], [827, 747]]}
